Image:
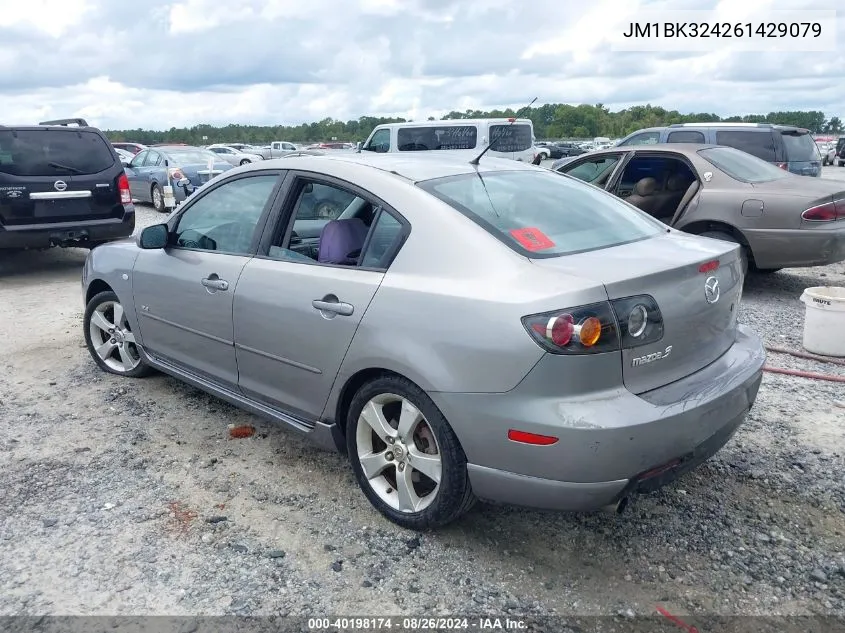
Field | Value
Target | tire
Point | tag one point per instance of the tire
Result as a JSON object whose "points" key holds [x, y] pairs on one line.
{"points": [[245, 161], [123, 358], [157, 196], [745, 256], [765, 271], [439, 503]]}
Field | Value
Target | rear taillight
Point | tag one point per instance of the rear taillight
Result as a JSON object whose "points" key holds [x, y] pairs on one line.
{"points": [[587, 329], [175, 173], [825, 212], [599, 327], [123, 188], [783, 165]]}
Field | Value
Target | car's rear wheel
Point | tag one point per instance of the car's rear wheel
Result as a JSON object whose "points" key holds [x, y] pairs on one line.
{"points": [[245, 161], [744, 254], [110, 339], [405, 455], [157, 196]]}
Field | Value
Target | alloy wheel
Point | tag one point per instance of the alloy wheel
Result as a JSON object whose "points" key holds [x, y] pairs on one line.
{"points": [[398, 453], [112, 339]]}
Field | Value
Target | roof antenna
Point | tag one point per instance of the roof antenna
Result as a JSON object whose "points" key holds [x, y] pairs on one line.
{"points": [[513, 119]]}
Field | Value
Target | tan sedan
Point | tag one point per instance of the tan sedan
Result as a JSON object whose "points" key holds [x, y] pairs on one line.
{"points": [[782, 220]]}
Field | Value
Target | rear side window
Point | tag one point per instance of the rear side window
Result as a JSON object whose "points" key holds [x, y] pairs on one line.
{"points": [[760, 144], [49, 152], [430, 137], [511, 137], [800, 146], [538, 213], [685, 136]]}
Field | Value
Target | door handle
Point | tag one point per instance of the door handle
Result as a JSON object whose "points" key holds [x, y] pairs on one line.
{"points": [[215, 283], [334, 307]]}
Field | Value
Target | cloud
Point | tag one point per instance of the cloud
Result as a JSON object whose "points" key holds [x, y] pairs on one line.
{"points": [[165, 63]]}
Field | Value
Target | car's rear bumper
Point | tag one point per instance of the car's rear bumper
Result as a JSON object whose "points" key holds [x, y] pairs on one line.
{"points": [[816, 246], [81, 232], [611, 443]]}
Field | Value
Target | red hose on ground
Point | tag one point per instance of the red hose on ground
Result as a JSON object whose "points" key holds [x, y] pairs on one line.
{"points": [[803, 374], [821, 359]]}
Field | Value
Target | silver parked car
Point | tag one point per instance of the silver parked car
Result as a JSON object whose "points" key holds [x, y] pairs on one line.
{"points": [[235, 156], [498, 331]]}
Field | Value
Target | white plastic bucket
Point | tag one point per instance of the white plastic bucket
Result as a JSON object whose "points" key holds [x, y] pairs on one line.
{"points": [[824, 320]]}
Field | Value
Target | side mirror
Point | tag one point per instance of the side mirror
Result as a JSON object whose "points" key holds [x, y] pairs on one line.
{"points": [[154, 236]]}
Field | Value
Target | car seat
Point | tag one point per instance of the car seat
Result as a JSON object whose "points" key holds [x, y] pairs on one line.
{"points": [[341, 241]]}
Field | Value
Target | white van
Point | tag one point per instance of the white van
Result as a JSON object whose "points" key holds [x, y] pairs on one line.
{"points": [[513, 138]]}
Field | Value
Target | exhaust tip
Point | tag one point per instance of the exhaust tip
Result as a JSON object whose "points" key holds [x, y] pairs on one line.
{"points": [[618, 507], [622, 505]]}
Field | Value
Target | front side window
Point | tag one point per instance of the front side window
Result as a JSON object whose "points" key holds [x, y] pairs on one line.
{"points": [[380, 142], [430, 137], [139, 159], [539, 214], [593, 170], [225, 219]]}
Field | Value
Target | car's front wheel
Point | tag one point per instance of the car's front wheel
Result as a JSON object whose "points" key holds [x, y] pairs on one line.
{"points": [[110, 339], [405, 455], [245, 161]]}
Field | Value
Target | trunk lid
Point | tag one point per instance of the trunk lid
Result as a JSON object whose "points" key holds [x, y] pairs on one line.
{"points": [[667, 268], [199, 173]]}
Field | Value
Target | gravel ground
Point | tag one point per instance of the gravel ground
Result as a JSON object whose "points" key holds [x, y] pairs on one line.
{"points": [[127, 497]]}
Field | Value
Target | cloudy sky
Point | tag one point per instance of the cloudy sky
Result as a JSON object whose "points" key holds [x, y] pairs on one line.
{"points": [[161, 63]]}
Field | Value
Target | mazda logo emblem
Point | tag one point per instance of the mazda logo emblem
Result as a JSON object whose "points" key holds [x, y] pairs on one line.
{"points": [[60, 185], [711, 290]]}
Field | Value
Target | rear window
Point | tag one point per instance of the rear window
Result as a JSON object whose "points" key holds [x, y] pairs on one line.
{"points": [[430, 137], [760, 144], [53, 152], [511, 137], [800, 146], [742, 166], [541, 213]]}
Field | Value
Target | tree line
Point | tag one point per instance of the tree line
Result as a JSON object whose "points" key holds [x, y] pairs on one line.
{"points": [[552, 120]]}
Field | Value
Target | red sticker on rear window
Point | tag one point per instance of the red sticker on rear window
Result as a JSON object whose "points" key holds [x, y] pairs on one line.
{"points": [[532, 239]]}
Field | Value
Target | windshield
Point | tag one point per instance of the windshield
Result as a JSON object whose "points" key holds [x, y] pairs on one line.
{"points": [[742, 166], [53, 152], [191, 156], [800, 147], [542, 213]]}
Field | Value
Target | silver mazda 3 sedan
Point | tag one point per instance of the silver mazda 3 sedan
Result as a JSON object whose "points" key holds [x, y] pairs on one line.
{"points": [[493, 331]]}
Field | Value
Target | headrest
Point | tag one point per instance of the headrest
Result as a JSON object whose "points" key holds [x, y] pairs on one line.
{"points": [[676, 183], [645, 187]]}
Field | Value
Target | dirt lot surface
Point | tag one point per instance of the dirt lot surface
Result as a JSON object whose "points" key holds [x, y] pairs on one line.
{"points": [[127, 496]]}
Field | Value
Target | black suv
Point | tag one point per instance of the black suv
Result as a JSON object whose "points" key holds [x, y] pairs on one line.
{"points": [[61, 184]]}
